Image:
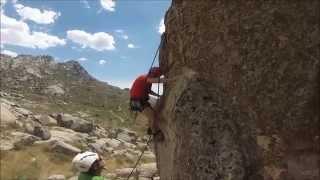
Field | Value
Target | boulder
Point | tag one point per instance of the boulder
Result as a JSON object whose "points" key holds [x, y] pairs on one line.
{"points": [[147, 170], [141, 146], [6, 145], [22, 112], [100, 132], [35, 128], [7, 117], [111, 175], [68, 135], [57, 177], [127, 135], [114, 143], [61, 147], [46, 120], [73, 178], [149, 156], [23, 139], [119, 153], [42, 132], [99, 146], [74, 123], [125, 172], [17, 140], [130, 156], [127, 145]]}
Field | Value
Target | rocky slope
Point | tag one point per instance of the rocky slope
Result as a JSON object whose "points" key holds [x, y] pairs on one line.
{"points": [[245, 102], [36, 146], [64, 87]]}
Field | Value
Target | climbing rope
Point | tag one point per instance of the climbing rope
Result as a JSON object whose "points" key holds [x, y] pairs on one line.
{"points": [[150, 136], [156, 53], [142, 152]]}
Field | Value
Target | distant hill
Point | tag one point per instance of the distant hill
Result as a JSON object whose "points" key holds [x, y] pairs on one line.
{"points": [[64, 87]]}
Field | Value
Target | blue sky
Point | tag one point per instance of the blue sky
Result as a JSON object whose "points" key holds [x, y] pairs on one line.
{"points": [[114, 40]]}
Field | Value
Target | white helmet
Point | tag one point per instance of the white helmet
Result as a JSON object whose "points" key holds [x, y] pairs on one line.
{"points": [[83, 161]]}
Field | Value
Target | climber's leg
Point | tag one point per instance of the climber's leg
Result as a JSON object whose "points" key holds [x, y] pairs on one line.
{"points": [[151, 116]]}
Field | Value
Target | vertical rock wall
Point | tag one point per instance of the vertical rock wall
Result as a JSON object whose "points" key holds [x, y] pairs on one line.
{"points": [[245, 100]]}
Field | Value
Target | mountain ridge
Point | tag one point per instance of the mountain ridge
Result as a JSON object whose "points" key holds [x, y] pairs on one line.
{"points": [[63, 86]]}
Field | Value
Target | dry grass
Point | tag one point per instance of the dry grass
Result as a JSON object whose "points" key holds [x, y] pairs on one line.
{"points": [[34, 162], [38, 163]]}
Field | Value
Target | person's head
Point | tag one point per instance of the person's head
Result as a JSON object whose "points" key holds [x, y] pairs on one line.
{"points": [[155, 72], [89, 162]]}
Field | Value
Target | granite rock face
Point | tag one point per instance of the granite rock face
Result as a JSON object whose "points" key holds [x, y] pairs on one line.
{"points": [[245, 100]]}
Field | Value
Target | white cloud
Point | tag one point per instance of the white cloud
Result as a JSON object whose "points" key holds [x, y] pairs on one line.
{"points": [[2, 2], [122, 34], [119, 31], [121, 84], [102, 61], [99, 41], [108, 5], [131, 46], [161, 27], [18, 33], [36, 15], [85, 3], [82, 59], [9, 53]]}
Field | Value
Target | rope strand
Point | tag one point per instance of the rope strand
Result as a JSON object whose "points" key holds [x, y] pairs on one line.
{"points": [[135, 166]]}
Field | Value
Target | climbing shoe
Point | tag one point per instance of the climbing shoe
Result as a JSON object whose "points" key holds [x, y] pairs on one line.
{"points": [[149, 131], [158, 136]]}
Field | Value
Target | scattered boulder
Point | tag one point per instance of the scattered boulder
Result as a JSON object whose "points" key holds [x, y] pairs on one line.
{"points": [[147, 170], [46, 120], [6, 145], [21, 112], [73, 178], [68, 135], [7, 117], [119, 153], [61, 147], [100, 132], [149, 156], [74, 123], [35, 128], [56, 89], [17, 140], [125, 172], [111, 175], [130, 156], [141, 146], [57, 177], [114, 143], [99, 146], [127, 145], [42, 132], [23, 139], [127, 135]]}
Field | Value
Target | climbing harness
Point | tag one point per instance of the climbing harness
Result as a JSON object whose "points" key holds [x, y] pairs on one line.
{"points": [[135, 166]]}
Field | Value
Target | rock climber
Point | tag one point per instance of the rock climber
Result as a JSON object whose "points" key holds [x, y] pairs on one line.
{"points": [[90, 166], [139, 96]]}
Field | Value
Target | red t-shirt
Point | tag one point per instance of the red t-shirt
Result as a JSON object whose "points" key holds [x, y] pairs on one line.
{"points": [[140, 88]]}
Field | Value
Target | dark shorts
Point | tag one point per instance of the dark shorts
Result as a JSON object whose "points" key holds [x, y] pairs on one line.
{"points": [[138, 104]]}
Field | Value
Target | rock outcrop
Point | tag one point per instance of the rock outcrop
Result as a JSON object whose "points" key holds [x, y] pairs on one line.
{"points": [[245, 100]]}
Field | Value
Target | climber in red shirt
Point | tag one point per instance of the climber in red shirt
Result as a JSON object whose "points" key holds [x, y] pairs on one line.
{"points": [[139, 96]]}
